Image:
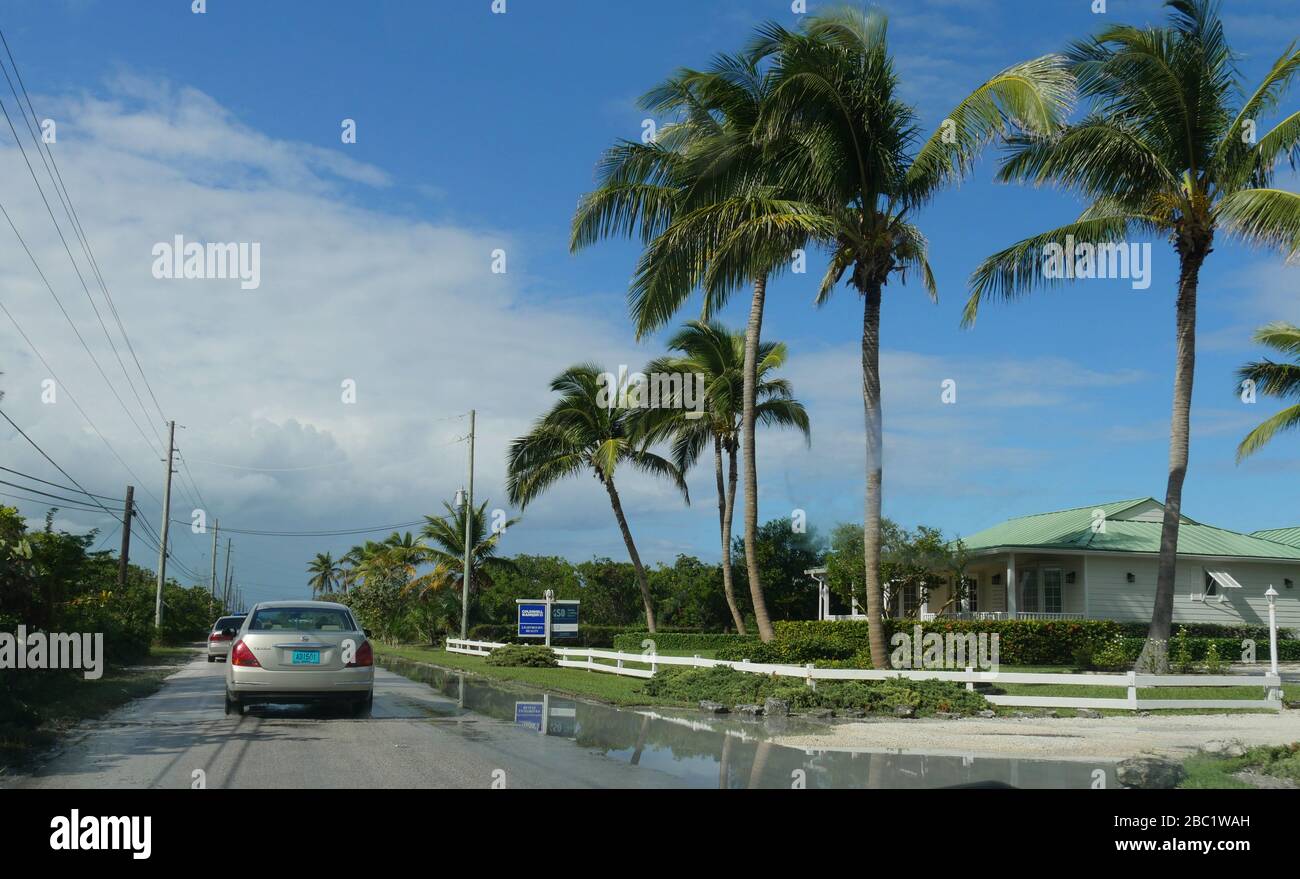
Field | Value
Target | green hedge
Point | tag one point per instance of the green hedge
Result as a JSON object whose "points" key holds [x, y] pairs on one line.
{"points": [[1288, 649], [689, 642], [731, 688], [1020, 642]]}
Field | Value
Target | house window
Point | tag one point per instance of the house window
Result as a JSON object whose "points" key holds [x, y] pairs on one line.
{"points": [[1052, 590], [1211, 587], [911, 602], [971, 586], [1029, 590]]}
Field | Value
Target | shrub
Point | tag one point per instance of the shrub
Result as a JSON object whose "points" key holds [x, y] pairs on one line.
{"points": [[1180, 653], [730, 687], [523, 656], [1117, 653], [1213, 664], [688, 642]]}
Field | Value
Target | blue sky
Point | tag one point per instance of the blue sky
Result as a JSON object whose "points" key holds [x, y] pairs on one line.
{"points": [[478, 131]]}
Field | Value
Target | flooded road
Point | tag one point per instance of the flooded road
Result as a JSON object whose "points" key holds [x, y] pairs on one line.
{"points": [[706, 751]]}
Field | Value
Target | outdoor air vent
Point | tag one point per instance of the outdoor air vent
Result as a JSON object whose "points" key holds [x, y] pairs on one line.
{"points": [[1069, 576], [1129, 576]]}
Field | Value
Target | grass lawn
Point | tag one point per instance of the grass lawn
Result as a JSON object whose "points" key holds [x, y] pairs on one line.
{"points": [[1289, 691], [1205, 771], [59, 700], [618, 690], [600, 686]]}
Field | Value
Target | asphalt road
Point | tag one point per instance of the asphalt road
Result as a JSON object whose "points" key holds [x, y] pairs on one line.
{"points": [[415, 738]]}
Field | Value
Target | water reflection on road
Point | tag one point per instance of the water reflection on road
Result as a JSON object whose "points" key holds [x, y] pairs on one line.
{"points": [[709, 751]]}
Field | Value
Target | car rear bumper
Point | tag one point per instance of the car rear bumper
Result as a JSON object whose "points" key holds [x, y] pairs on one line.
{"points": [[260, 685], [219, 648]]}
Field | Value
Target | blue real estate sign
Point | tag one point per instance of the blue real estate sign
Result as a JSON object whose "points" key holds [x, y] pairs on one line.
{"points": [[530, 714], [532, 620], [564, 619]]}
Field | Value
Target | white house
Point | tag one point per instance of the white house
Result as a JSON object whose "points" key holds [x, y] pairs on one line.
{"points": [[1100, 562]]}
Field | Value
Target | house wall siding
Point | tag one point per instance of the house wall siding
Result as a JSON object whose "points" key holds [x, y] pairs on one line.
{"points": [[1111, 596]]}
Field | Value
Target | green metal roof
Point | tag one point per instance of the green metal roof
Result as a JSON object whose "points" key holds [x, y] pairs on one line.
{"points": [[1289, 536], [1072, 530]]}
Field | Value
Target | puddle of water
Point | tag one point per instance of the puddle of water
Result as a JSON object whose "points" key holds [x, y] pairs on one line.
{"points": [[705, 751]]}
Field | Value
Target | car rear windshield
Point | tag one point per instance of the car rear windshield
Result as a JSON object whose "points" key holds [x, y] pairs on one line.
{"points": [[301, 619], [228, 623]]}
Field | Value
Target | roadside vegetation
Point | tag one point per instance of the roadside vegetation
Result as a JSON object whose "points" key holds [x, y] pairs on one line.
{"points": [[1278, 764]]}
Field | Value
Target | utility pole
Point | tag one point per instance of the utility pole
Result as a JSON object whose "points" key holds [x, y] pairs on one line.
{"points": [[124, 556], [469, 518], [166, 523], [216, 526], [225, 590]]}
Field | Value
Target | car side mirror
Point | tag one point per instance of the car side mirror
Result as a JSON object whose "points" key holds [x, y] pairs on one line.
{"points": [[229, 633], [366, 632]]}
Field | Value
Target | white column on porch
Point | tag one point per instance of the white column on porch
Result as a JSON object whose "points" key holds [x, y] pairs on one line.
{"points": [[1011, 586]]}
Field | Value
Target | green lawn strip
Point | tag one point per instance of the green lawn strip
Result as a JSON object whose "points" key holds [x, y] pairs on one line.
{"points": [[601, 686], [1207, 771], [60, 699]]}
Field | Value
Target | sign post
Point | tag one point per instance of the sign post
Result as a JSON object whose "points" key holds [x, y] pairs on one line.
{"points": [[547, 618]]}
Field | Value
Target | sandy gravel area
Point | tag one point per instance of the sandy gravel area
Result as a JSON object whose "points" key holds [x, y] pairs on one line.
{"points": [[1059, 738]]}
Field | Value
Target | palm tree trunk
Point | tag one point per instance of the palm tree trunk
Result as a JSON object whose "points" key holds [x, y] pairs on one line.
{"points": [[641, 580], [871, 523], [752, 332], [1155, 656], [727, 503]]}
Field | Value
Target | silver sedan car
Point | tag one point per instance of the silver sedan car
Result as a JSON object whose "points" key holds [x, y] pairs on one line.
{"points": [[222, 636], [300, 651]]}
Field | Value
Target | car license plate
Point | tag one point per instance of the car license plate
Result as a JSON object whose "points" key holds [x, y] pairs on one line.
{"points": [[306, 657]]}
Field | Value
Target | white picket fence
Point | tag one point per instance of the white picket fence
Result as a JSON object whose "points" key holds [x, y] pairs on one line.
{"points": [[635, 665]]}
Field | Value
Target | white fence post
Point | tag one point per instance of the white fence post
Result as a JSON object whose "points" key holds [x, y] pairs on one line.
{"points": [[808, 669], [970, 682], [1132, 690]]}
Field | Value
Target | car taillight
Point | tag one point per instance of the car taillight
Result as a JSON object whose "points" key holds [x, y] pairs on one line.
{"points": [[215, 636], [364, 656], [240, 654]]}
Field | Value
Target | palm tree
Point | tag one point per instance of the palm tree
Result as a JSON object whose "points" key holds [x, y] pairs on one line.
{"points": [[707, 178], [586, 430], [325, 573], [1276, 380], [360, 562], [853, 171], [1168, 150], [714, 352], [444, 546]]}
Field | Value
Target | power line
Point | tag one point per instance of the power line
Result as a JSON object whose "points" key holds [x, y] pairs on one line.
{"points": [[65, 203], [84, 238], [44, 493], [34, 445], [48, 505], [57, 484], [50, 287], [73, 397], [249, 532]]}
